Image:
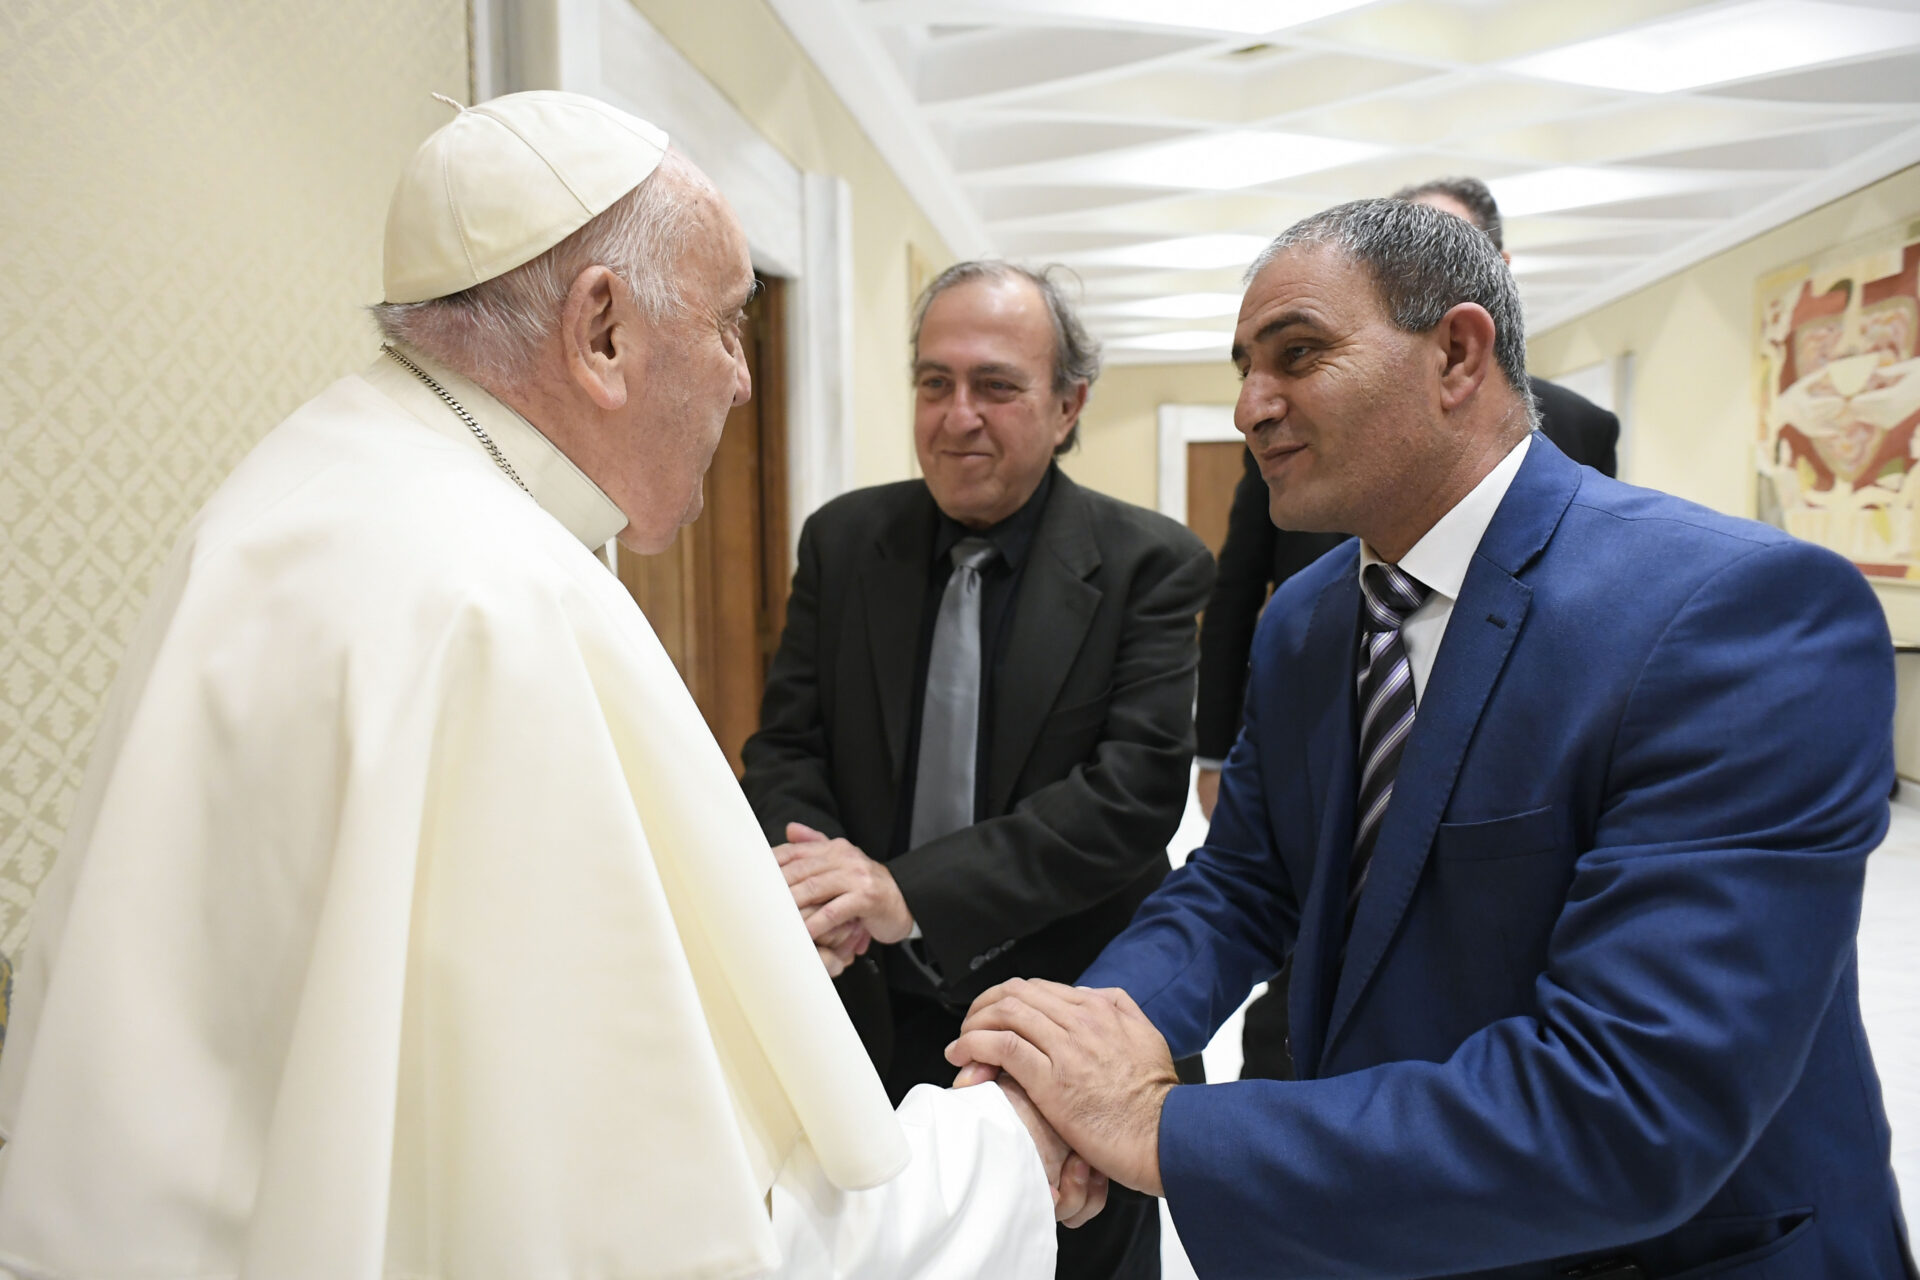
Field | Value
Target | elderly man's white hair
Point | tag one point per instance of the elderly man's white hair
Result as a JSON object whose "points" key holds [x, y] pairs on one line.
{"points": [[493, 331]]}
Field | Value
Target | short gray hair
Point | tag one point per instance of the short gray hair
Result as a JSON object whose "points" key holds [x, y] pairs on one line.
{"points": [[1470, 194], [493, 331], [1076, 356], [1424, 262]]}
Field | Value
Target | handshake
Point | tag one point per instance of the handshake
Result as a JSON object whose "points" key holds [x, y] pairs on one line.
{"points": [[1085, 1070]]}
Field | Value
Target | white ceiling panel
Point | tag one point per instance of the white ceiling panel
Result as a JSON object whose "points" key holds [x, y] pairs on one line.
{"points": [[1445, 109], [993, 143], [1719, 44], [1175, 215], [1808, 150], [1154, 145], [1119, 284], [1880, 81], [1476, 32], [1017, 61], [1621, 131]]}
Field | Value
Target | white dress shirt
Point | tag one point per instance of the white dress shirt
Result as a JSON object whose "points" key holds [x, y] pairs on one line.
{"points": [[1440, 560]]}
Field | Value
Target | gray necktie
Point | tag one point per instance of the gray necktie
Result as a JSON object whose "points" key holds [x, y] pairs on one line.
{"points": [[943, 785]]}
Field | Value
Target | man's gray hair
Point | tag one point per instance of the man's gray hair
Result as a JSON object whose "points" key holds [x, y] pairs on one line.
{"points": [[493, 332], [1470, 194], [1424, 263], [1076, 356]]}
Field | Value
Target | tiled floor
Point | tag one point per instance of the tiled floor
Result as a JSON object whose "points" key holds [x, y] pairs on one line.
{"points": [[1889, 996], [1890, 987]]}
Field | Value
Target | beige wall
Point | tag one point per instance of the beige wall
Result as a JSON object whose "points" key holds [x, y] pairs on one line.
{"points": [[748, 55], [1119, 449], [1693, 409], [189, 223]]}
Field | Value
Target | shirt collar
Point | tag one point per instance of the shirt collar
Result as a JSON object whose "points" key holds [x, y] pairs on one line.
{"points": [[1011, 537], [562, 489], [1441, 557]]}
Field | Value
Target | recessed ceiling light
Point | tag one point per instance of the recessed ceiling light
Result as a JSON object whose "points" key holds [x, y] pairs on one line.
{"points": [[1213, 161], [1577, 187], [1178, 306], [1195, 252], [1179, 340], [1245, 17], [1734, 43]]}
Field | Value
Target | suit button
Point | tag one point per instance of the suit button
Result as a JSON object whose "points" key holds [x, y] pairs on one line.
{"points": [[976, 962]]}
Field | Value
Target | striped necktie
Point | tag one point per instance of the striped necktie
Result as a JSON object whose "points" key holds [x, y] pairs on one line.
{"points": [[1389, 596]]}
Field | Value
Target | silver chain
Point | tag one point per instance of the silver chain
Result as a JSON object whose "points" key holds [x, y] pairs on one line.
{"points": [[479, 432]]}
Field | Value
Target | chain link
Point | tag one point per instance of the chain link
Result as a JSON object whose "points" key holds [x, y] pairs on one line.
{"points": [[479, 432]]}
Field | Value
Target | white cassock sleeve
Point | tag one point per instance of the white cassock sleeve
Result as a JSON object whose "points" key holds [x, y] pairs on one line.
{"points": [[972, 1204]]}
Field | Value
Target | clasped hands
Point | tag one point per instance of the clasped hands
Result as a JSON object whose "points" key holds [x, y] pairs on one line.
{"points": [[1087, 1073], [848, 900], [1093, 1065]]}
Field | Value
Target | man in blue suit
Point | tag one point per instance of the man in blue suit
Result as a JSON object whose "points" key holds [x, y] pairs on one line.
{"points": [[1558, 791]]}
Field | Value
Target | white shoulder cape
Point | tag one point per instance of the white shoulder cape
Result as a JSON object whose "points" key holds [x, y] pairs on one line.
{"points": [[410, 922]]}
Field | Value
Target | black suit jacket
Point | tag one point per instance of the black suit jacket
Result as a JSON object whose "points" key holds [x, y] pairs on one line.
{"points": [[1092, 731], [1577, 426], [1256, 558]]}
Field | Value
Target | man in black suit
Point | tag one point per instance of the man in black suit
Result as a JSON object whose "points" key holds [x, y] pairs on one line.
{"points": [[974, 741], [1256, 558]]}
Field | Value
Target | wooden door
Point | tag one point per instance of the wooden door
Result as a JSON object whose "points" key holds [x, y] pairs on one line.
{"points": [[1214, 469], [717, 597]]}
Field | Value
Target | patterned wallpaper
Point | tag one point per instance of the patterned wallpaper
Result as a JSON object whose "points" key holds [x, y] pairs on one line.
{"points": [[190, 220]]}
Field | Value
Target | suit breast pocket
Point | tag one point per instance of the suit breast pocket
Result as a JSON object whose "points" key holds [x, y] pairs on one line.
{"points": [[1495, 839], [1493, 891]]}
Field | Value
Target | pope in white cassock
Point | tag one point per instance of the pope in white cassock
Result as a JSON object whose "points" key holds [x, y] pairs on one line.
{"points": [[411, 923]]}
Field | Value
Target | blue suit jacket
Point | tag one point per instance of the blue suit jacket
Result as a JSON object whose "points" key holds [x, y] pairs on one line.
{"points": [[1600, 995]]}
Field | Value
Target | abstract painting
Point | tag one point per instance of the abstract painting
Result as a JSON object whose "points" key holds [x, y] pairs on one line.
{"points": [[1839, 390]]}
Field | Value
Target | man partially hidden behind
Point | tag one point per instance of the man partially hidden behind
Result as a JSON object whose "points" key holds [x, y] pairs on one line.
{"points": [[1257, 557], [411, 922], [1558, 792], [975, 738]]}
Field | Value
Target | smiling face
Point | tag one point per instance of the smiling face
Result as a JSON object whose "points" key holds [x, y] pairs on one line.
{"points": [[986, 417], [1339, 406]]}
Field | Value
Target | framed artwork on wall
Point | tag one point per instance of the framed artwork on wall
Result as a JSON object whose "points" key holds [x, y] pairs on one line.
{"points": [[1838, 384]]}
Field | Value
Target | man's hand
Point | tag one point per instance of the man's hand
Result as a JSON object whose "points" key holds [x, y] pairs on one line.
{"points": [[841, 891], [1206, 788], [838, 948], [1091, 1062], [837, 954], [1079, 1194]]}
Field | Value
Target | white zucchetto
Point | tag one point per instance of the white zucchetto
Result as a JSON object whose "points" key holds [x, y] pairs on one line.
{"points": [[503, 182]]}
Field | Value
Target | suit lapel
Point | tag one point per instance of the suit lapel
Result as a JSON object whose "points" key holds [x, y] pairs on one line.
{"points": [[1486, 621], [1052, 609], [893, 587], [1328, 707]]}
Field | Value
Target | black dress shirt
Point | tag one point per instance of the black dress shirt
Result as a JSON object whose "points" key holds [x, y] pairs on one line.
{"points": [[1012, 539]]}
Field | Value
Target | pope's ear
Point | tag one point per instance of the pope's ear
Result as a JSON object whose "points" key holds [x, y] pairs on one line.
{"points": [[592, 335]]}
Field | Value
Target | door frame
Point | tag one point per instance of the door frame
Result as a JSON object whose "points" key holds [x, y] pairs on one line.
{"points": [[799, 225], [1180, 426]]}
